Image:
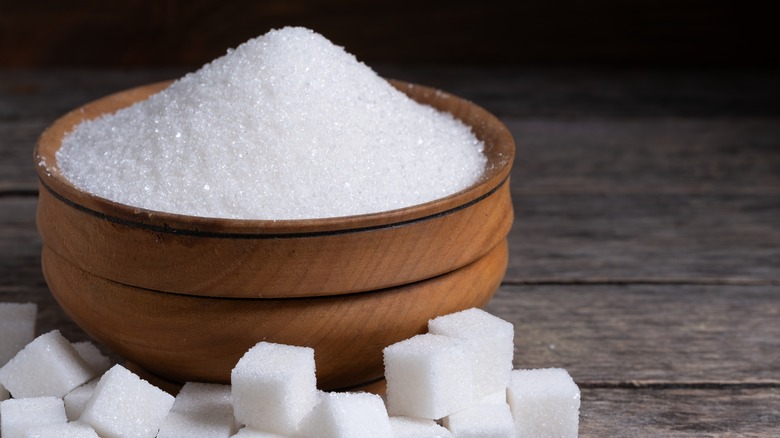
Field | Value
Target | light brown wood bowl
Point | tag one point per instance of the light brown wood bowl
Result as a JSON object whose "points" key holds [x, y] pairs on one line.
{"points": [[195, 338], [185, 296]]}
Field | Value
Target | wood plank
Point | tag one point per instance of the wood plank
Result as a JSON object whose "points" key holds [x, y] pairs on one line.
{"points": [[47, 94], [17, 172], [643, 335], [581, 92], [646, 200], [682, 412], [674, 155], [645, 237], [19, 244]]}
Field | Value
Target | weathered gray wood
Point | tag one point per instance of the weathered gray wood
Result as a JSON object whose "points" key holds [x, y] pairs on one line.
{"points": [[639, 237], [671, 155], [564, 92], [19, 244], [647, 334], [17, 173], [680, 412], [47, 94]]}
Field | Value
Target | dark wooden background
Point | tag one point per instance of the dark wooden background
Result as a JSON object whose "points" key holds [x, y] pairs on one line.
{"points": [[133, 33]]}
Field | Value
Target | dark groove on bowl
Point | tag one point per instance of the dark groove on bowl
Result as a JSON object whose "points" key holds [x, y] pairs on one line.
{"points": [[184, 232]]}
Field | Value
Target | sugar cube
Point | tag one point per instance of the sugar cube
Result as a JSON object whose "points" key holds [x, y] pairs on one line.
{"points": [[347, 415], [62, 430], [494, 397], [97, 361], [200, 410], [274, 386], [544, 403], [408, 427], [248, 432], [19, 415], [486, 419], [125, 405], [76, 400], [17, 328], [493, 340], [47, 366], [428, 376]]}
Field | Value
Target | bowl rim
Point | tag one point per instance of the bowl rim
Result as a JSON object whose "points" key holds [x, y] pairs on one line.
{"points": [[499, 149]]}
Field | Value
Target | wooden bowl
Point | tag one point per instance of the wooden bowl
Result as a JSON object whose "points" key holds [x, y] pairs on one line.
{"points": [[183, 297]]}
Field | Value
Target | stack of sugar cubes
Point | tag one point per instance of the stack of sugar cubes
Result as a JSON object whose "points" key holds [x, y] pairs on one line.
{"points": [[457, 380], [461, 374]]}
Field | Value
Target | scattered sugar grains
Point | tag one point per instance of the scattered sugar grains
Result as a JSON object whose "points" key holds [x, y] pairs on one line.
{"points": [[285, 126]]}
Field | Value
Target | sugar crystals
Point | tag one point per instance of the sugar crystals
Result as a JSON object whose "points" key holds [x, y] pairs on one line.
{"points": [[285, 126]]}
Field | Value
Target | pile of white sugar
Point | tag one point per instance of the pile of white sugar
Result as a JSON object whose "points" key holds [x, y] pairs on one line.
{"points": [[285, 126]]}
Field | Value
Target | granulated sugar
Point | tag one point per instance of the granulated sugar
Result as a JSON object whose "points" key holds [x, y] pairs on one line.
{"points": [[286, 126]]}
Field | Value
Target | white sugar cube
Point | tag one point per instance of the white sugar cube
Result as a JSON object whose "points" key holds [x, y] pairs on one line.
{"points": [[348, 415], [97, 361], [495, 397], [200, 410], [428, 376], [204, 398], [62, 430], [274, 387], [544, 402], [76, 400], [493, 340], [19, 415], [408, 427], [47, 366], [248, 432], [486, 419], [17, 328], [125, 405]]}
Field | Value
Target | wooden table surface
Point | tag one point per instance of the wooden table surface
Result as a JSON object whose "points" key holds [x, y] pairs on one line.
{"points": [[645, 255]]}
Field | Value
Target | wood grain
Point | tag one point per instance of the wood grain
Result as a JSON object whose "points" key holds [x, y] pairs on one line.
{"points": [[646, 155], [577, 91], [646, 237], [680, 412], [20, 245], [644, 335]]}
